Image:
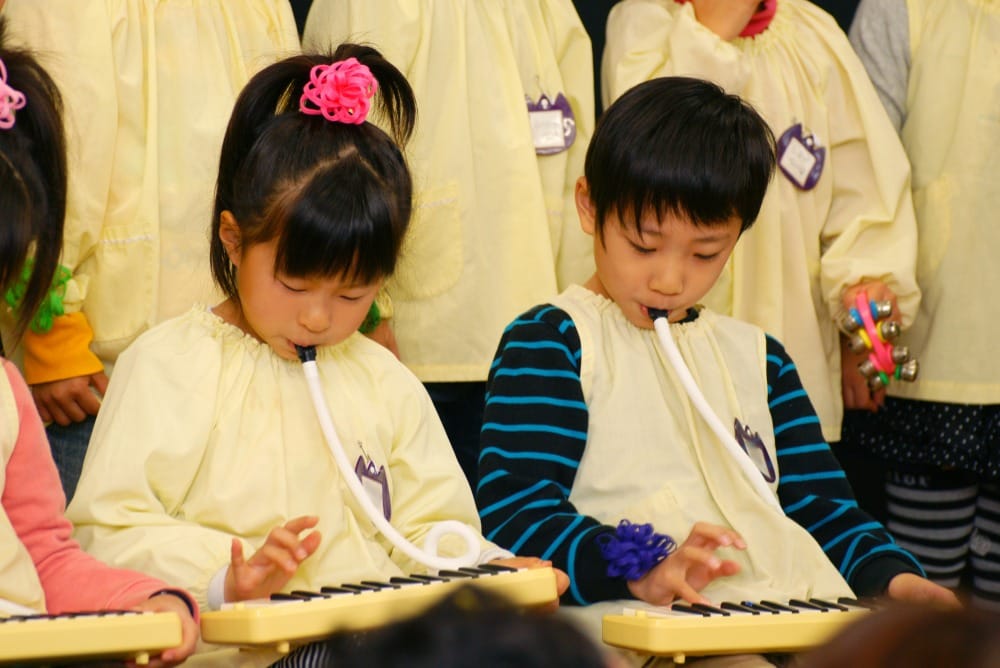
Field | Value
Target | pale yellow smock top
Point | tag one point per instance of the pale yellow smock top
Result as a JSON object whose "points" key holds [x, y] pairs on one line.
{"points": [[495, 229], [807, 246], [205, 435], [148, 87], [689, 477], [951, 132]]}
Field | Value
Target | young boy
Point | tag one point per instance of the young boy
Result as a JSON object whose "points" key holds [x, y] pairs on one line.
{"points": [[587, 424]]}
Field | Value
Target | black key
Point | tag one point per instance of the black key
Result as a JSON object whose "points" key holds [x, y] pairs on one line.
{"points": [[497, 568], [689, 610], [758, 607], [738, 607], [281, 596], [455, 574], [379, 585], [399, 579], [429, 578], [475, 572], [337, 590], [780, 607], [710, 609], [828, 604], [806, 605], [362, 588], [867, 603], [308, 594]]}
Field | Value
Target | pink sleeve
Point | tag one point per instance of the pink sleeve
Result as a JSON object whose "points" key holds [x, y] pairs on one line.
{"points": [[34, 502]]}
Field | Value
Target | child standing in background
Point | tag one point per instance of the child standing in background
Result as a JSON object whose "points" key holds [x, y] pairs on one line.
{"points": [[934, 66], [208, 465], [587, 426], [837, 218], [41, 568], [505, 93], [149, 85]]}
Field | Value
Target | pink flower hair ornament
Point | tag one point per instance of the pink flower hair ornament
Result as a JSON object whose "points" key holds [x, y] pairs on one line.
{"points": [[10, 100], [340, 92]]}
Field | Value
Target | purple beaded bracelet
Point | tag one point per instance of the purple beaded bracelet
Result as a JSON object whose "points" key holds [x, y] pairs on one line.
{"points": [[634, 549]]}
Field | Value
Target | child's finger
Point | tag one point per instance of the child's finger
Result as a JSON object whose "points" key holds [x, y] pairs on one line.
{"points": [[299, 524], [269, 555], [236, 553]]}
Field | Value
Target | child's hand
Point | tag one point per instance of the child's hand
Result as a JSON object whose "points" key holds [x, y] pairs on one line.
{"points": [[273, 565], [562, 580], [912, 588], [856, 393], [690, 567], [726, 18], [71, 399], [166, 602]]}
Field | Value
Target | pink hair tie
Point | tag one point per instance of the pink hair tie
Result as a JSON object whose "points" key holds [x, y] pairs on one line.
{"points": [[340, 92], [10, 100]]}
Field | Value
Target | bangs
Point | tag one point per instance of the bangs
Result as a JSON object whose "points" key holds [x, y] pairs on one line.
{"points": [[340, 224]]}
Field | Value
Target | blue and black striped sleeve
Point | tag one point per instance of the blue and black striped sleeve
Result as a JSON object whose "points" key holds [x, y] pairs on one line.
{"points": [[533, 436], [814, 491]]}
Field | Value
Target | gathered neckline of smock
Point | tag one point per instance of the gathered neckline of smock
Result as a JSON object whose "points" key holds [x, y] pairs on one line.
{"points": [[603, 303]]}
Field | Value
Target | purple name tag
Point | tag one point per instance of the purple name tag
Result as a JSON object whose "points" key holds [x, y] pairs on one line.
{"points": [[800, 157], [375, 484], [553, 126]]}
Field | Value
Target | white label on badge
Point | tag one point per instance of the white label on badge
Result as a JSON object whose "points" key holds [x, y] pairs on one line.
{"points": [[373, 488], [547, 129], [797, 161]]}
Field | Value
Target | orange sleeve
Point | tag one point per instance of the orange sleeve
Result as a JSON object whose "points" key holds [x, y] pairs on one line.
{"points": [[62, 352]]}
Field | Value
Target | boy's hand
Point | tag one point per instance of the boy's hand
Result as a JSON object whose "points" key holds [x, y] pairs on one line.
{"points": [[912, 588], [71, 399], [562, 580], [690, 567], [726, 18], [166, 602], [273, 565]]}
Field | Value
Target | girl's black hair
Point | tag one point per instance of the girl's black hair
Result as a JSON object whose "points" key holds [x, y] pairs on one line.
{"points": [[337, 197], [32, 183], [680, 146]]}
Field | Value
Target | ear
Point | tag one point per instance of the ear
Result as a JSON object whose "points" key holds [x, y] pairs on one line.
{"points": [[230, 236], [585, 206]]}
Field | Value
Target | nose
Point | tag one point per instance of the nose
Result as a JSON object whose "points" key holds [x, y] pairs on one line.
{"points": [[316, 316], [668, 279]]}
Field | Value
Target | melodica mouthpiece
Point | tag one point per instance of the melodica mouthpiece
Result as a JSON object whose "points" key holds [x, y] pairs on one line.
{"points": [[306, 353], [655, 313]]}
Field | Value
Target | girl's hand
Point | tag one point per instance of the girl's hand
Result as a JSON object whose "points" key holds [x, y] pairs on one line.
{"points": [[273, 565], [166, 602], [562, 580], [71, 399], [912, 588], [726, 18], [690, 568]]}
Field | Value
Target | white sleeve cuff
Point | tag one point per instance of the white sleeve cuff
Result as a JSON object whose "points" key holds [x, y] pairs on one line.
{"points": [[494, 553], [217, 588]]}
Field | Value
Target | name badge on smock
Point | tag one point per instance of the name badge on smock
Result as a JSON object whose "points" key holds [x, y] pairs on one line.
{"points": [[753, 445], [553, 126], [376, 485], [800, 157]]}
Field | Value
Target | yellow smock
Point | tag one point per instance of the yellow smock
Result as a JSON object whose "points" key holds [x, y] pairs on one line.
{"points": [[689, 477], [148, 87], [495, 229], [951, 132], [807, 246], [205, 435]]}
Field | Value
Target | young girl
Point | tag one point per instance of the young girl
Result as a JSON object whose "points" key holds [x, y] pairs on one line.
{"points": [[208, 465], [837, 217], [41, 568], [588, 426]]}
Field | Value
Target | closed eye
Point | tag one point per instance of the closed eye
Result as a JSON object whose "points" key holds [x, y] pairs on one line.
{"points": [[291, 288], [642, 250]]}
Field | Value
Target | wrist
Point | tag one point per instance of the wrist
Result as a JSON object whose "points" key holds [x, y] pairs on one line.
{"points": [[177, 594], [633, 550]]}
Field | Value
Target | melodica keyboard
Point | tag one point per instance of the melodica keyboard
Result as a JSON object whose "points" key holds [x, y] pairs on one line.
{"points": [[302, 616], [730, 628], [126, 635]]}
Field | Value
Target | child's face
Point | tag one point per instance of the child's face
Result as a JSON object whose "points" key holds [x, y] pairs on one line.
{"points": [[671, 265], [284, 312]]}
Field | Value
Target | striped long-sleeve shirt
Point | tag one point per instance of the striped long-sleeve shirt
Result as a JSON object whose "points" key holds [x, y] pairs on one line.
{"points": [[535, 431]]}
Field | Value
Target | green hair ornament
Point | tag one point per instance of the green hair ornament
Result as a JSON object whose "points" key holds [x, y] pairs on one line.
{"points": [[51, 306]]}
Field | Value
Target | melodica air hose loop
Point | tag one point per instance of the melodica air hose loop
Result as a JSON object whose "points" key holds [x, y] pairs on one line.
{"points": [[429, 556], [662, 327]]}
